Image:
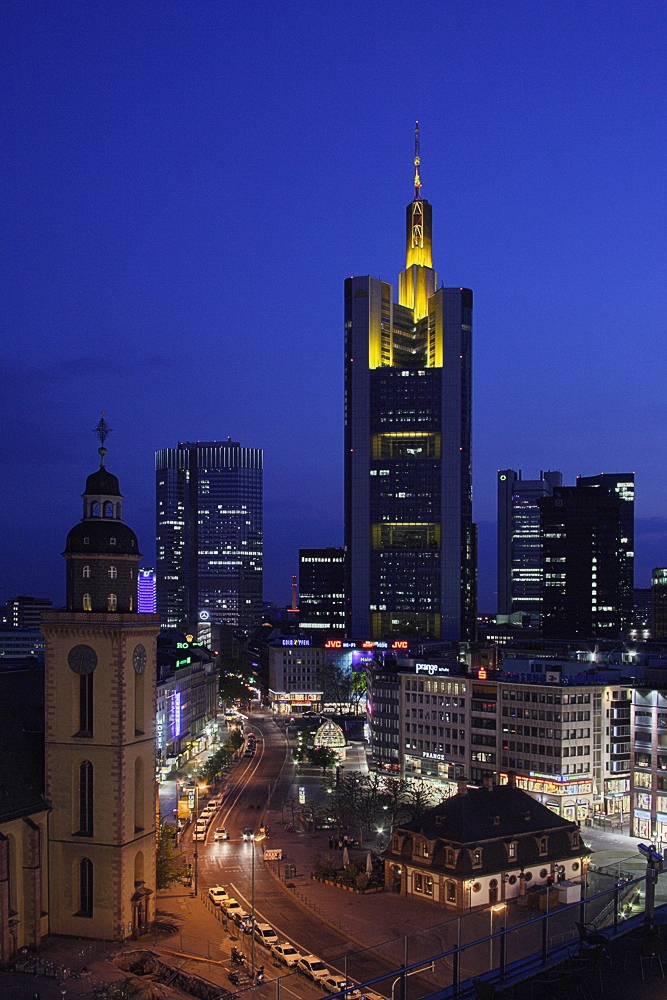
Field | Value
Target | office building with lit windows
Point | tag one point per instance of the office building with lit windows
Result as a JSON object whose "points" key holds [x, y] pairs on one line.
{"points": [[322, 590], [409, 535], [209, 534], [587, 534], [519, 545]]}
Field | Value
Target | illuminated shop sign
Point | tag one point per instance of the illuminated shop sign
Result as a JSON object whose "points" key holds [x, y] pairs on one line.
{"points": [[433, 756], [296, 642], [430, 669]]}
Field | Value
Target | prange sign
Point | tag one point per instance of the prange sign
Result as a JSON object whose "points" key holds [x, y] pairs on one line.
{"points": [[430, 669]]}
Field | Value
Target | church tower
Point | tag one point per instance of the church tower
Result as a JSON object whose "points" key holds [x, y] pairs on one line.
{"points": [[100, 675]]}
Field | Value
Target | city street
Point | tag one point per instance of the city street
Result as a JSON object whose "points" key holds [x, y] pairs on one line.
{"points": [[367, 936]]}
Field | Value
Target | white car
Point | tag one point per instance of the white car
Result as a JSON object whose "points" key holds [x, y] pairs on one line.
{"points": [[217, 893], [313, 967], [336, 984], [221, 834], [266, 934], [285, 953], [232, 907]]}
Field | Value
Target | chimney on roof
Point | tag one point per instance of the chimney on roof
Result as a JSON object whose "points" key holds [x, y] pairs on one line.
{"points": [[462, 786], [511, 779], [488, 782]]}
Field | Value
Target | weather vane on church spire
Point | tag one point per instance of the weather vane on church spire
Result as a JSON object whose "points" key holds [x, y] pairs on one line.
{"points": [[418, 183], [103, 431]]}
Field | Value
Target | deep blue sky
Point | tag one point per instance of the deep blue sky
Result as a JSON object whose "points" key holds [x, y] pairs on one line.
{"points": [[186, 185]]}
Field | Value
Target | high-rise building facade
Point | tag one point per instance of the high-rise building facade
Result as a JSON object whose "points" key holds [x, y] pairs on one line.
{"points": [[519, 565], [146, 591], [26, 612], [409, 536], [659, 602], [209, 534], [322, 590], [587, 535]]}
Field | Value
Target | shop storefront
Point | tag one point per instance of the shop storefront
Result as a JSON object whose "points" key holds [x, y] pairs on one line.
{"points": [[571, 799]]}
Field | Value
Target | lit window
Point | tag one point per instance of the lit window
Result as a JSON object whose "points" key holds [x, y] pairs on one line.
{"points": [[113, 572], [87, 603], [112, 602]]}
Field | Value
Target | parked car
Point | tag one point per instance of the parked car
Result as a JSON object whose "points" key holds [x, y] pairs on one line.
{"points": [[313, 967], [248, 833], [232, 908], [217, 893], [266, 934], [285, 953], [336, 984], [240, 917], [221, 833]]}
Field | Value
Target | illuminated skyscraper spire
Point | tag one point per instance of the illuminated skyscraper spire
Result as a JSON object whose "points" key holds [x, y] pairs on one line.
{"points": [[418, 183], [419, 280]]}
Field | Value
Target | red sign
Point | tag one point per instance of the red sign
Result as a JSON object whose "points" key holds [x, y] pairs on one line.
{"points": [[368, 644], [482, 673], [333, 644], [400, 644]]}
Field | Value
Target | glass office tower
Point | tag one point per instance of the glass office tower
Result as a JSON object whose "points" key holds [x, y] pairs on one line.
{"points": [[519, 542], [587, 535], [409, 535], [209, 534]]}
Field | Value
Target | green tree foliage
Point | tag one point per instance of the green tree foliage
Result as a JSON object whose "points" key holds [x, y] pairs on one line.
{"points": [[234, 686], [235, 739], [217, 762], [358, 691], [170, 865], [323, 757]]}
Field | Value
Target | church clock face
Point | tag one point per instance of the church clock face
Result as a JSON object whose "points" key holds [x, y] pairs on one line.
{"points": [[82, 659], [139, 659]]}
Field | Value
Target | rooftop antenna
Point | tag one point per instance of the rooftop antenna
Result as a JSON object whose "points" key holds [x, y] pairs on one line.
{"points": [[103, 431], [418, 183]]}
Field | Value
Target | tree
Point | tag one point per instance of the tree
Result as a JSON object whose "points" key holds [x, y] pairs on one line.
{"points": [[358, 691], [216, 762], [323, 757], [170, 866]]}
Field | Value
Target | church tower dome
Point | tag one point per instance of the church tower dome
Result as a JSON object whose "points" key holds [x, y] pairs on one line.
{"points": [[102, 552]]}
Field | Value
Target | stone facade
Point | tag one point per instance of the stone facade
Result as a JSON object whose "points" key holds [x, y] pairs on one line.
{"points": [[100, 771]]}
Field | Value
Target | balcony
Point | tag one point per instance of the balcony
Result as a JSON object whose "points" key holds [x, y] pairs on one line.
{"points": [[600, 946]]}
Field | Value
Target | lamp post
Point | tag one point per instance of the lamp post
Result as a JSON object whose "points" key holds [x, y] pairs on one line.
{"points": [[252, 908], [195, 836], [494, 909]]}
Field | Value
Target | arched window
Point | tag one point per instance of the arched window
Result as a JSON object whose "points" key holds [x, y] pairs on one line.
{"points": [[112, 602], [87, 603], [139, 819], [138, 703], [95, 510], [108, 509], [113, 573], [85, 799], [85, 887], [85, 705], [86, 572]]}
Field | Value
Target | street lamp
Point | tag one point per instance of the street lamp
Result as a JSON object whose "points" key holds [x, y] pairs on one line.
{"points": [[196, 839], [252, 906], [494, 909]]}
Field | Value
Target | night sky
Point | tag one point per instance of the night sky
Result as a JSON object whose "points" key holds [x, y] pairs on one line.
{"points": [[186, 186]]}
